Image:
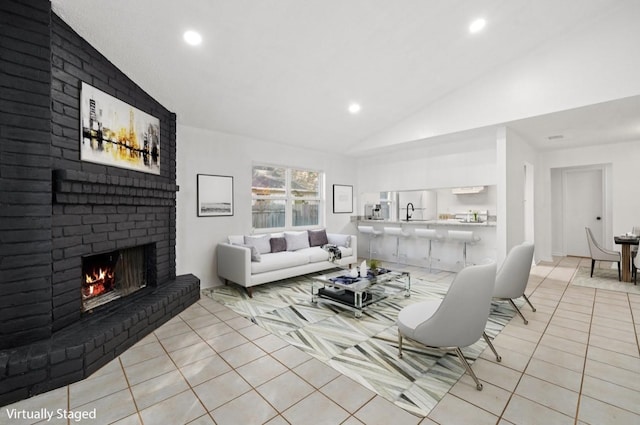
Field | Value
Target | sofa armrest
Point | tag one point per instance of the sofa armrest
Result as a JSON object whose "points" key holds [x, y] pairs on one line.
{"points": [[234, 263]]}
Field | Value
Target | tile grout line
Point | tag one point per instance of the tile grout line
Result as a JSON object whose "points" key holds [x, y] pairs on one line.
{"points": [[501, 416], [191, 388], [135, 404], [584, 364], [248, 383]]}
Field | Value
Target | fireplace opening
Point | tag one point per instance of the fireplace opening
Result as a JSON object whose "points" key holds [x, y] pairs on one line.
{"points": [[112, 275]]}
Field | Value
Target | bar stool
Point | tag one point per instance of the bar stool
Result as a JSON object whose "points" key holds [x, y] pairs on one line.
{"points": [[373, 233], [398, 233], [430, 235], [467, 237]]}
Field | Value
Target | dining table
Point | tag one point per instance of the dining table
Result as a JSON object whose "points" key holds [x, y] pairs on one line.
{"points": [[626, 241]]}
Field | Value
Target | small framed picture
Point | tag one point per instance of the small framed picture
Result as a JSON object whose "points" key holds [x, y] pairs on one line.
{"points": [[215, 195], [342, 199]]}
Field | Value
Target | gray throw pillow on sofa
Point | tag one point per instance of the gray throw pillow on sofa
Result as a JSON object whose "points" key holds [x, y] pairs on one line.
{"points": [[318, 237], [255, 255], [260, 242], [340, 240], [278, 244], [296, 240]]}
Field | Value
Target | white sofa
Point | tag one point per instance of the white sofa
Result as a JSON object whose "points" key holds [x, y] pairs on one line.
{"points": [[235, 265]]}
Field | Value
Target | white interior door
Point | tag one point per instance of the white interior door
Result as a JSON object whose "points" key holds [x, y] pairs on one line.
{"points": [[583, 207]]}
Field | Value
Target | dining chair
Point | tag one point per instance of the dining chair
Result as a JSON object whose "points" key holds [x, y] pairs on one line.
{"points": [[456, 321], [636, 231], [601, 254], [511, 280]]}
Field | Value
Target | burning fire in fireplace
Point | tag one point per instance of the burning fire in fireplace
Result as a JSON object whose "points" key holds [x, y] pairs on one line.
{"points": [[112, 275], [98, 281]]}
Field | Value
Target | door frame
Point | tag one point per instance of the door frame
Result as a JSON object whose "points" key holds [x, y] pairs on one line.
{"points": [[529, 202], [606, 202]]}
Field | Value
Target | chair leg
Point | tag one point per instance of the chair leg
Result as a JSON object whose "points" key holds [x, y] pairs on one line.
{"points": [[465, 363], [529, 302], [486, 338], [526, 322], [399, 345], [593, 263]]}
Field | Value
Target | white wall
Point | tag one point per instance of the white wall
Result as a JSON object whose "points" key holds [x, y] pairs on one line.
{"points": [[470, 162], [207, 152], [592, 64], [459, 204], [625, 202], [519, 153], [512, 153]]}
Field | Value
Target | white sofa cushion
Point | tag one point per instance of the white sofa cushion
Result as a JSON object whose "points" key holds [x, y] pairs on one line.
{"points": [[236, 239], [314, 253], [279, 260]]}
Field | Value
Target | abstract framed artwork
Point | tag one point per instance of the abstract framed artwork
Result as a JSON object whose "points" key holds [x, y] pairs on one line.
{"points": [[115, 133], [342, 199], [215, 195]]}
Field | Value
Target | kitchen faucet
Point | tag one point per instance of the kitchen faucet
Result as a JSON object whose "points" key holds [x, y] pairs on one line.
{"points": [[412, 209]]}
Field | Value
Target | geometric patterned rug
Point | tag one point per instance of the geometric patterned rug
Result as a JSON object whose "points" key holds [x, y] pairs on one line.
{"points": [[364, 349], [603, 279]]}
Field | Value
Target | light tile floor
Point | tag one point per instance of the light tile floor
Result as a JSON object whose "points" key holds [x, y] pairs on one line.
{"points": [[577, 362]]}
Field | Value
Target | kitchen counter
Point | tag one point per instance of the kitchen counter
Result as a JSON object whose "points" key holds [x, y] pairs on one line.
{"points": [[450, 222], [446, 252]]}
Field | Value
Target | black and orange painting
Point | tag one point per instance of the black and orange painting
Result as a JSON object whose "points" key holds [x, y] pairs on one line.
{"points": [[117, 134]]}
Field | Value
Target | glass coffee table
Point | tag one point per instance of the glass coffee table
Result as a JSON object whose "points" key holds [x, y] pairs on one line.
{"points": [[356, 293]]}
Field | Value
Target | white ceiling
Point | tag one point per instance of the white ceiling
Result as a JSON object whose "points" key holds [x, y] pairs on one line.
{"points": [[286, 70]]}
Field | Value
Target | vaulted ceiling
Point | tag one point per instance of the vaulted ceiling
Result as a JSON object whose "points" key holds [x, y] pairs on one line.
{"points": [[286, 70]]}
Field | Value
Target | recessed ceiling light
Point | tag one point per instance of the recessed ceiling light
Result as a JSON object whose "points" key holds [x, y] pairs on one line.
{"points": [[477, 25], [193, 38], [354, 108]]}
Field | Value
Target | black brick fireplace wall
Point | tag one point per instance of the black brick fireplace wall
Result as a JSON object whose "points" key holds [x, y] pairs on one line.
{"points": [[54, 209]]}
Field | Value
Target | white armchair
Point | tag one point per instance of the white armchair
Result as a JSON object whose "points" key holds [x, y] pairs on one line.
{"points": [[456, 321], [511, 280], [601, 254]]}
